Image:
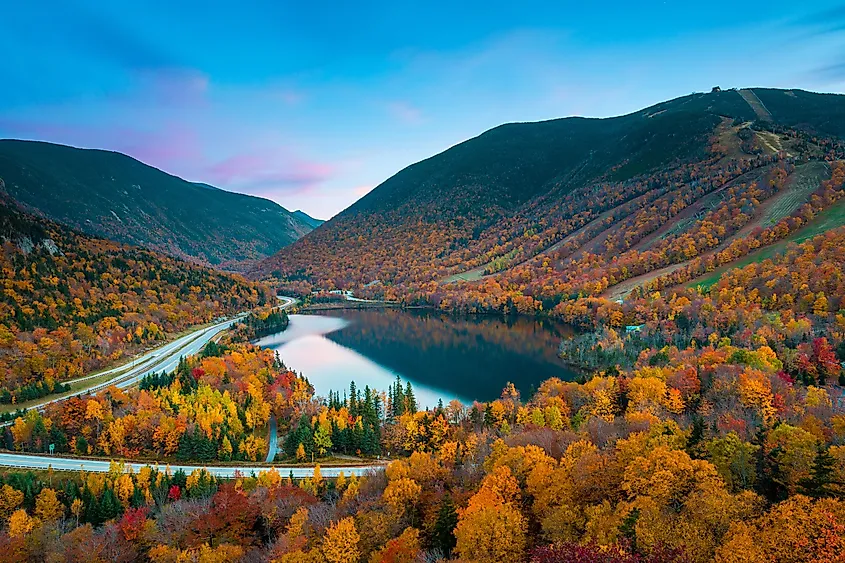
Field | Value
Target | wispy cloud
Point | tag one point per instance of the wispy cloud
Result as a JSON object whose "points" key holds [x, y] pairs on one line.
{"points": [[361, 191], [831, 20], [174, 86], [405, 113], [269, 173], [827, 26], [113, 39]]}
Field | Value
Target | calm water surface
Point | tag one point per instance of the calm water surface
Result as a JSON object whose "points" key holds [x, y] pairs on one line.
{"points": [[444, 356]]}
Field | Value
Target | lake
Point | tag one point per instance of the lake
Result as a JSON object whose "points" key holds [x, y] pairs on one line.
{"points": [[443, 356]]}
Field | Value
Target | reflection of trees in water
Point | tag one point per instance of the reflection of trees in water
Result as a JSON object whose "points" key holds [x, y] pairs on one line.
{"points": [[473, 356]]}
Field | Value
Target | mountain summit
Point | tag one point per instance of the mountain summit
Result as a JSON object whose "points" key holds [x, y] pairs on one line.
{"points": [[572, 189]]}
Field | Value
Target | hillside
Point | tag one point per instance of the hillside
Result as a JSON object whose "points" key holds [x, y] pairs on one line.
{"points": [[307, 219], [111, 195], [72, 303], [532, 213]]}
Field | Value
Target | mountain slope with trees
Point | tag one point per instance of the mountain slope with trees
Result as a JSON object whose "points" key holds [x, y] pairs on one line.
{"points": [[71, 303], [111, 195], [533, 214]]}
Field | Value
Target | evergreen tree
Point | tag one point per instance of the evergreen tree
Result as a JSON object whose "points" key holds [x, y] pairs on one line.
{"points": [[628, 528], [109, 506], [410, 400], [398, 398], [817, 485], [443, 535], [353, 399], [206, 449], [137, 500], [696, 436], [188, 445], [180, 479]]}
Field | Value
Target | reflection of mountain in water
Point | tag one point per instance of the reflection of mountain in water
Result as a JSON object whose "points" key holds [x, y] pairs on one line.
{"points": [[473, 356]]}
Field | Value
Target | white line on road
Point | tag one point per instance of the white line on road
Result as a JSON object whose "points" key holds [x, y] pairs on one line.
{"points": [[44, 462]]}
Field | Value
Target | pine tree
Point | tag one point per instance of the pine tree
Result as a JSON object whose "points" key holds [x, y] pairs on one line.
{"points": [[188, 445], [206, 448], [817, 485], [109, 506], [398, 398], [410, 400], [443, 535], [353, 399], [628, 528]]}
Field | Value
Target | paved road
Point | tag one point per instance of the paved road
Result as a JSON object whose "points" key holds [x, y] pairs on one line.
{"points": [[166, 358], [274, 440], [102, 466]]}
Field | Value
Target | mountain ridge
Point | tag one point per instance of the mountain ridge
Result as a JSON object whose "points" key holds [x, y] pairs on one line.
{"points": [[110, 194], [573, 187], [307, 219]]}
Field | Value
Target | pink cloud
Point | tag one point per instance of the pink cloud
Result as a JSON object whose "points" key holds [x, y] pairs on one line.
{"points": [[361, 191], [269, 171], [175, 146]]}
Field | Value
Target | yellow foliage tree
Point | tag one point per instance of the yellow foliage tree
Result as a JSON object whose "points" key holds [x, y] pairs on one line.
{"points": [[401, 494], [48, 507], [20, 523], [491, 527], [341, 542], [10, 500]]}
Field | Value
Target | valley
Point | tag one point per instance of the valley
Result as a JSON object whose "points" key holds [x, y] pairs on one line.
{"points": [[614, 340]]}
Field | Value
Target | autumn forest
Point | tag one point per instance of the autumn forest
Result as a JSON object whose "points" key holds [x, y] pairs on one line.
{"points": [[695, 249]]}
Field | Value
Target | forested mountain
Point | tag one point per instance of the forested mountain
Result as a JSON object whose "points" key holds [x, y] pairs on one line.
{"points": [[112, 195], [71, 303], [307, 219], [528, 215]]}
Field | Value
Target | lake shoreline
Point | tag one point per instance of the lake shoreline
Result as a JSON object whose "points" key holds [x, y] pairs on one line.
{"points": [[355, 305], [444, 355]]}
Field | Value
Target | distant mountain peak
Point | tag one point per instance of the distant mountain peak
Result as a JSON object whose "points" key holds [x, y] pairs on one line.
{"points": [[308, 219]]}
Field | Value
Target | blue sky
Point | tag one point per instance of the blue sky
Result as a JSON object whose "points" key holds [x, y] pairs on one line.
{"points": [[314, 104]]}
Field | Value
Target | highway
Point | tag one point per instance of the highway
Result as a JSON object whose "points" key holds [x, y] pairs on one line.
{"points": [[166, 358], [274, 440], [59, 463]]}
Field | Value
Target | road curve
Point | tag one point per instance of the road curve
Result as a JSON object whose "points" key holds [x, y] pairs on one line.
{"points": [[58, 463], [166, 358], [163, 358], [273, 441]]}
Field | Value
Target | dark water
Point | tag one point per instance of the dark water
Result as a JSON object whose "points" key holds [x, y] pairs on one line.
{"points": [[444, 356]]}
